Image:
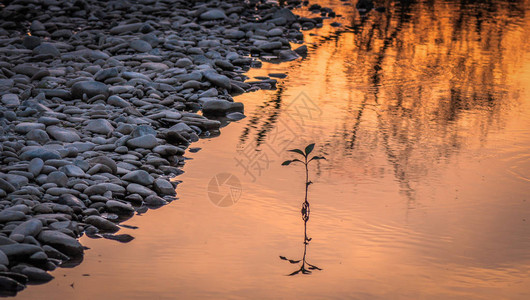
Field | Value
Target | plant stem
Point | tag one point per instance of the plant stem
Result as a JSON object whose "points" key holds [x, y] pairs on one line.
{"points": [[305, 205], [306, 178]]}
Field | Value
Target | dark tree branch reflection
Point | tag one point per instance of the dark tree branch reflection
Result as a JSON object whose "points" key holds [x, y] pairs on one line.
{"points": [[415, 83]]}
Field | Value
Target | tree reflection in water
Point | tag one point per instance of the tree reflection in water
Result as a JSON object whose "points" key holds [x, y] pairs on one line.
{"points": [[416, 83]]}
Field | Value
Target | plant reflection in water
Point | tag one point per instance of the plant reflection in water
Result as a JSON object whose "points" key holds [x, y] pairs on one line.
{"points": [[305, 268]]}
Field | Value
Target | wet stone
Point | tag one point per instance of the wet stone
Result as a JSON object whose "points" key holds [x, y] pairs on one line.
{"points": [[221, 107], [183, 63], [168, 150], [90, 89], [61, 242], [38, 135], [101, 223], [139, 176], [48, 121], [269, 46], [41, 153], [57, 177], [38, 256], [143, 130], [10, 100], [36, 274], [26, 127], [104, 74], [9, 215], [31, 227], [119, 207], [57, 191], [154, 201], [213, 14], [70, 200], [117, 101], [18, 181], [164, 187], [126, 28], [235, 116], [100, 126], [302, 50], [30, 42], [122, 238], [108, 162], [8, 284], [46, 49], [143, 191], [101, 188], [146, 141], [54, 253], [140, 46], [6, 241], [19, 251], [288, 55], [218, 80], [63, 134], [72, 171]]}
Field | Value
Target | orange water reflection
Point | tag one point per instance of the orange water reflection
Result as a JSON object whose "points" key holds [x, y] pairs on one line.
{"points": [[424, 114]]}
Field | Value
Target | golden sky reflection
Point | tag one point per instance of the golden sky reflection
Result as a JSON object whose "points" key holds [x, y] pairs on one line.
{"points": [[424, 194]]}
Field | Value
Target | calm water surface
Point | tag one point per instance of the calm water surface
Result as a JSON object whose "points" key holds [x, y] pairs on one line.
{"points": [[423, 112]]}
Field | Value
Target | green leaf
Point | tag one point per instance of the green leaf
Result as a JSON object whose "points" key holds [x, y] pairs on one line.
{"points": [[288, 162], [317, 157], [297, 151], [309, 148]]}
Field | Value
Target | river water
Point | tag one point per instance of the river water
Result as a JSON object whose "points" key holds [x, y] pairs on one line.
{"points": [[423, 114]]}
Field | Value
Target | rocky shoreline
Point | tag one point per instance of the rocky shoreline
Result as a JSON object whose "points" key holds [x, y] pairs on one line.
{"points": [[100, 100]]}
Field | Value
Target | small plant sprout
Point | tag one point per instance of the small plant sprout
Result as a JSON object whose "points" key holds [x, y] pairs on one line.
{"points": [[305, 208], [306, 162]]}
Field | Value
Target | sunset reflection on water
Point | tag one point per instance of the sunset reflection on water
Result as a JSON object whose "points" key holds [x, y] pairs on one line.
{"points": [[423, 113]]}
